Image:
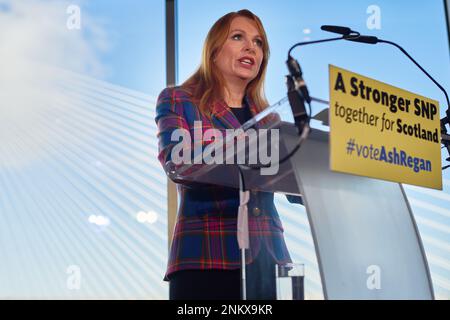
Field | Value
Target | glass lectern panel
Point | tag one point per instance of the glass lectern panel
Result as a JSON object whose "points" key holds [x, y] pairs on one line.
{"points": [[254, 160]]}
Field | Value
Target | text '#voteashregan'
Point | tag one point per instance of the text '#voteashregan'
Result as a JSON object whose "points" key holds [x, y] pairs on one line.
{"points": [[391, 156]]}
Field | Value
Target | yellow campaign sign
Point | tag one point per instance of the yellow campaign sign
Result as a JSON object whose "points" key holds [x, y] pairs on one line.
{"points": [[383, 132]]}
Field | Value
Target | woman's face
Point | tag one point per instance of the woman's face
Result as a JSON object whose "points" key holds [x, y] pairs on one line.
{"points": [[241, 55]]}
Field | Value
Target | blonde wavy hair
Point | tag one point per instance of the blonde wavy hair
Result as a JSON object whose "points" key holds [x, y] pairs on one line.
{"points": [[207, 85]]}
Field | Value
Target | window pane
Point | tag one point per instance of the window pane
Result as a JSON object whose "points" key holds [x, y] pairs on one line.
{"points": [[82, 195]]}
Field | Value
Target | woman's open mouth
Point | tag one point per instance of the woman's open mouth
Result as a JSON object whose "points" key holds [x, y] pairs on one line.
{"points": [[247, 62]]}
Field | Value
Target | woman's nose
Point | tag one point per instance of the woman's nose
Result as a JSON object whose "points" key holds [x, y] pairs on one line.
{"points": [[249, 46]]}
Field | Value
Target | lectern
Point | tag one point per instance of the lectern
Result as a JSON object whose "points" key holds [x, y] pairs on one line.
{"points": [[365, 236]]}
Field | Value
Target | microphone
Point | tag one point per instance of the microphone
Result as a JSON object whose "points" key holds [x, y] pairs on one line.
{"points": [[297, 90], [345, 31], [296, 72], [365, 39], [297, 103], [297, 94], [337, 29]]}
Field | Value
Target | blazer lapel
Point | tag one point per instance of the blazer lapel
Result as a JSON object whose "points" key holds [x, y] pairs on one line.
{"points": [[222, 116]]}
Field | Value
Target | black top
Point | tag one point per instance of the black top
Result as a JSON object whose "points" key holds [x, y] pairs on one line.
{"points": [[242, 114]]}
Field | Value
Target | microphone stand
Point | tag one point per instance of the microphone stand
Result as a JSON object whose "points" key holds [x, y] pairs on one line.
{"points": [[351, 35], [445, 138]]}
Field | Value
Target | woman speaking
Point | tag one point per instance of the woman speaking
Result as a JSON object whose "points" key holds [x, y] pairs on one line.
{"points": [[225, 91]]}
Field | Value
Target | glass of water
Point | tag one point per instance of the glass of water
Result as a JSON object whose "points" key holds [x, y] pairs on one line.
{"points": [[290, 281]]}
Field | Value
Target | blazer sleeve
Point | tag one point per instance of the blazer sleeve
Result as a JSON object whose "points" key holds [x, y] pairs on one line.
{"points": [[169, 117]]}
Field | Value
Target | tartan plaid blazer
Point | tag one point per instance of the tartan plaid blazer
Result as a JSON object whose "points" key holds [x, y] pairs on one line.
{"points": [[205, 233]]}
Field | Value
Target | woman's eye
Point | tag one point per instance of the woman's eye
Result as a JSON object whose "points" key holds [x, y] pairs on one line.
{"points": [[237, 37], [259, 42]]}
